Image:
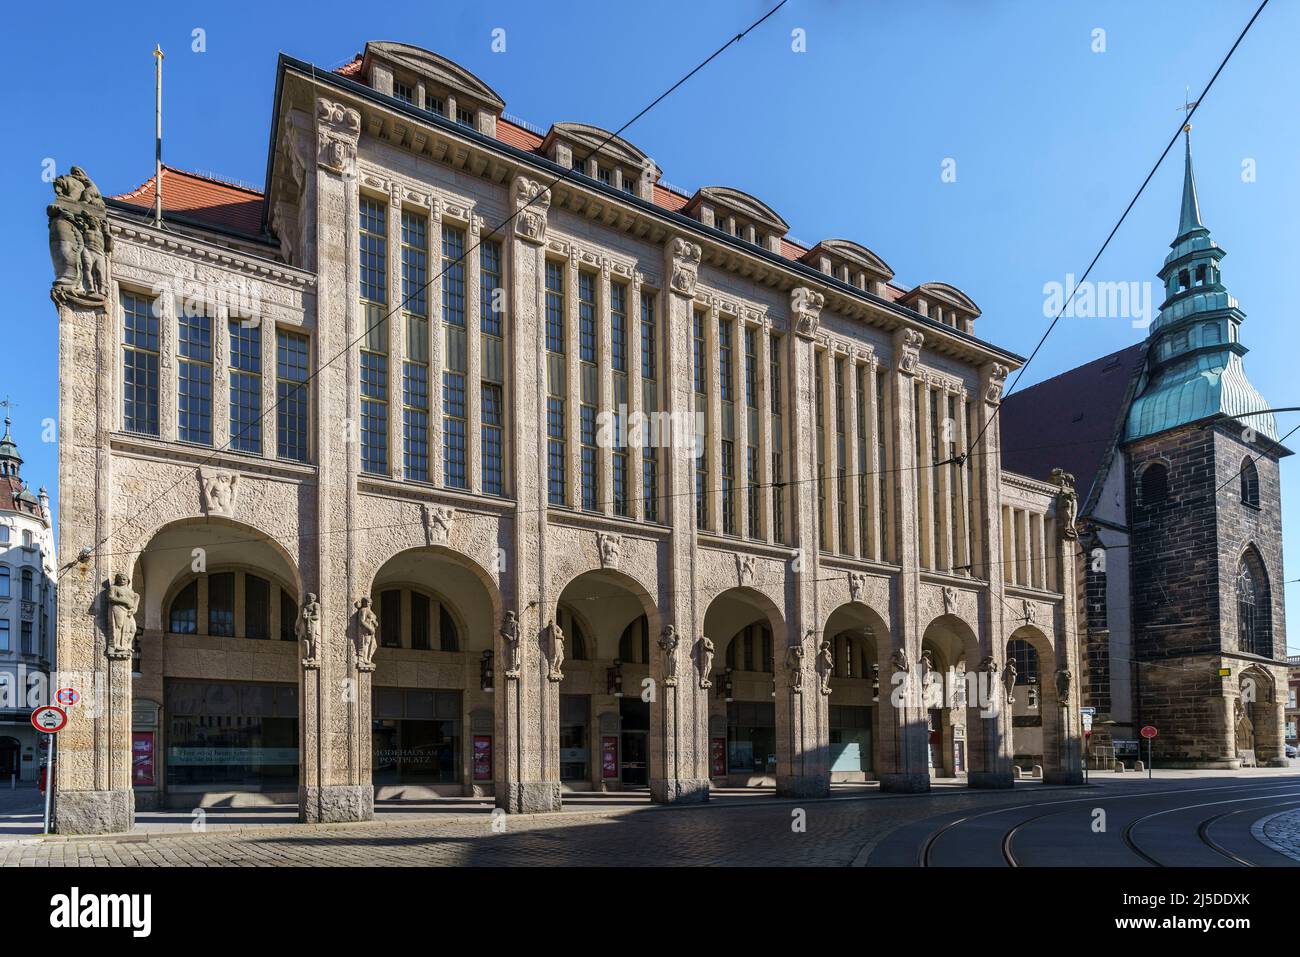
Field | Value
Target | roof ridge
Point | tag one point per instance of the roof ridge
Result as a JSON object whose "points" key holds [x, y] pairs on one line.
{"points": [[207, 178]]}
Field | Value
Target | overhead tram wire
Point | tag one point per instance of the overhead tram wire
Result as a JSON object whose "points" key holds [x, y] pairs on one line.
{"points": [[88, 551]]}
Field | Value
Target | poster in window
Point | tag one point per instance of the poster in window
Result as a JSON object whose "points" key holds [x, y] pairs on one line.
{"points": [[142, 766], [718, 754], [609, 756], [482, 757]]}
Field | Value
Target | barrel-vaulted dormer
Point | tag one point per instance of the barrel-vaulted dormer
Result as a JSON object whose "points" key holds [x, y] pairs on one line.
{"points": [[603, 156], [431, 82], [944, 303], [850, 262], [739, 214]]}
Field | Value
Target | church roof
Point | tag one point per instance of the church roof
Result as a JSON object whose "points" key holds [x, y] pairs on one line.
{"points": [[1071, 420]]}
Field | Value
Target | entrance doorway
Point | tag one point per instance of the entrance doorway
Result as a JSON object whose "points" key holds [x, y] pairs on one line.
{"points": [[634, 744], [11, 756], [934, 726]]}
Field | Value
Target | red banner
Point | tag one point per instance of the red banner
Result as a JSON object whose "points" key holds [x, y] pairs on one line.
{"points": [[482, 757], [718, 753], [142, 758], [609, 756]]}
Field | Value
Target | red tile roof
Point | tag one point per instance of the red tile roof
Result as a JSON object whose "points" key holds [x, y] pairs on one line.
{"points": [[517, 136], [352, 68], [230, 207], [668, 199], [1086, 404]]}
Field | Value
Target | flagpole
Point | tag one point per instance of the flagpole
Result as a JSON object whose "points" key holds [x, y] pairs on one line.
{"points": [[158, 170]]}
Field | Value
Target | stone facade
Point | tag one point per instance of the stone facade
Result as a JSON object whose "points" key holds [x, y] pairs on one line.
{"points": [[595, 621]]}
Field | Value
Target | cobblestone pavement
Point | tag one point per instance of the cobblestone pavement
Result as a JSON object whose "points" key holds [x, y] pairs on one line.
{"points": [[839, 831], [1281, 832]]}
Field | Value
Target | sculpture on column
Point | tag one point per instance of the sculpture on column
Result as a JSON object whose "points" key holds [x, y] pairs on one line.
{"points": [[794, 655], [123, 603], [308, 631], [686, 257], [1009, 680], [899, 660], [1067, 503], [556, 671], [668, 642], [704, 660], [806, 309], [1063, 678], [825, 666], [987, 689], [510, 635], [532, 201], [367, 635], [80, 240]]}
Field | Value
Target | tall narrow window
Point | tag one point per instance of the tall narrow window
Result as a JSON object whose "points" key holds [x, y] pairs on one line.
{"points": [[374, 342], [778, 442], [390, 618], [882, 478], [753, 526], [699, 367], [556, 446], [455, 416], [288, 617], [618, 362], [649, 409], [257, 607], [819, 450], [588, 389], [727, 394], [864, 517], [415, 368], [183, 617], [139, 364], [221, 605], [841, 459], [1249, 483], [246, 385], [492, 360], [448, 633], [420, 622], [28, 585], [291, 396], [194, 374]]}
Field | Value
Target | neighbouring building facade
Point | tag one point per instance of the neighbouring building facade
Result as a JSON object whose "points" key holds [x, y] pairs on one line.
{"points": [[27, 579], [1176, 459], [467, 459]]}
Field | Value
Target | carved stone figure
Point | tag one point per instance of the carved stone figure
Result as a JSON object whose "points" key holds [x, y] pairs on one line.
{"points": [[950, 596], [308, 631], [1009, 680], [745, 569], [794, 655], [686, 266], [610, 545], [510, 635], [668, 643], [532, 202], [1063, 678], [79, 240], [1029, 609], [123, 603], [556, 671], [997, 377], [989, 666], [367, 635], [909, 350], [899, 660], [704, 660], [806, 309], [926, 663], [219, 490], [1243, 728], [857, 586], [1067, 504], [338, 128], [825, 666], [437, 521]]}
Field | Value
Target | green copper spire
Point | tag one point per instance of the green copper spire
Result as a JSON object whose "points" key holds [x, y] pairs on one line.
{"points": [[1193, 366]]}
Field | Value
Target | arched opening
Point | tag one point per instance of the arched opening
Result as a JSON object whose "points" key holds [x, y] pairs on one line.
{"points": [[1249, 483], [1155, 485], [855, 635], [215, 645], [432, 688], [1257, 719], [1254, 606], [1029, 689], [948, 649], [610, 626], [747, 633]]}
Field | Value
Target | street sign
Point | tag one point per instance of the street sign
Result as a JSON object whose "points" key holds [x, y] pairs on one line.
{"points": [[1088, 711], [1149, 731], [1087, 722], [67, 696], [1225, 672], [49, 719]]}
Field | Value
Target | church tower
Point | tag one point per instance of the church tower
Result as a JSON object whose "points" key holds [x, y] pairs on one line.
{"points": [[1204, 513]]}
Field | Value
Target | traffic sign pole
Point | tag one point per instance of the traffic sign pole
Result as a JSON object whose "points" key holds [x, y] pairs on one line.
{"points": [[1149, 732], [50, 720], [49, 778]]}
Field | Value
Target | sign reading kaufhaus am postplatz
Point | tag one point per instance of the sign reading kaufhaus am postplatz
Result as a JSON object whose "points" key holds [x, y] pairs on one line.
{"points": [[339, 495]]}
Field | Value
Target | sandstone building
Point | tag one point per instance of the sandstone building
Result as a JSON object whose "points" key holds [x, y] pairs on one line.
{"points": [[469, 459]]}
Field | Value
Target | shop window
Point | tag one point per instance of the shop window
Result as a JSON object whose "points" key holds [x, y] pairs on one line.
{"points": [[241, 736], [751, 737], [416, 736]]}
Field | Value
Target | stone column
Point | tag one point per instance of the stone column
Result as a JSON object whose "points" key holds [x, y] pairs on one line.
{"points": [[525, 702], [679, 713], [989, 729], [330, 786], [1062, 546], [802, 733], [902, 712]]}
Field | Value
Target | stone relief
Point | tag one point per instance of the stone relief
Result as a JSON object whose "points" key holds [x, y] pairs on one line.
{"points": [[308, 631], [532, 201], [668, 643], [997, 378], [367, 635], [950, 596], [1009, 680], [686, 266], [437, 521], [857, 586], [745, 569], [1067, 503], [899, 660], [704, 661], [825, 666], [556, 670], [1063, 678], [1028, 609], [806, 309], [123, 603], [989, 666], [338, 128], [794, 655], [909, 350], [510, 635], [79, 240], [219, 490], [610, 546]]}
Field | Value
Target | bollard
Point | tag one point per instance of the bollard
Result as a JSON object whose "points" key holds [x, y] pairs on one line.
{"points": [[1037, 772], [1119, 767], [1016, 772], [1139, 766]]}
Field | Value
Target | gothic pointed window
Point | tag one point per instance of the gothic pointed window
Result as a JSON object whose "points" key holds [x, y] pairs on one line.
{"points": [[1155, 485], [1253, 617], [1249, 484]]}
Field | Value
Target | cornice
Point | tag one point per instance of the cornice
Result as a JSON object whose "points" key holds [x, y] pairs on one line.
{"points": [[201, 251]]}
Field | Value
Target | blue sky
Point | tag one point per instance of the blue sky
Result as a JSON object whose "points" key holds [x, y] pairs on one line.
{"points": [[1049, 137]]}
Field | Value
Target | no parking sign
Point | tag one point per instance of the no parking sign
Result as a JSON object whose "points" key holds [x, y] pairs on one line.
{"points": [[49, 719]]}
